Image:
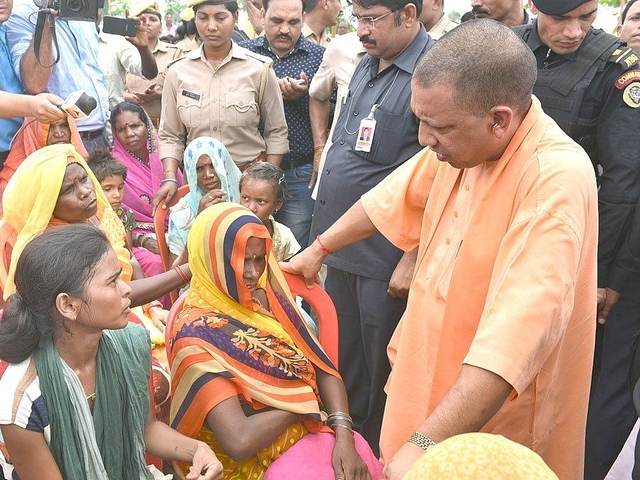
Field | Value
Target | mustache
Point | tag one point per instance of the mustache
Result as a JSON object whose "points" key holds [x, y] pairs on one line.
{"points": [[367, 39], [479, 10], [283, 36]]}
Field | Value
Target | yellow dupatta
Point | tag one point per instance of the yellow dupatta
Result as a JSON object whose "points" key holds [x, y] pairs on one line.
{"points": [[31, 195]]}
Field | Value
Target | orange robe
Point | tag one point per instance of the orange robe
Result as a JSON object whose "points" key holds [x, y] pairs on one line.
{"points": [[505, 280]]}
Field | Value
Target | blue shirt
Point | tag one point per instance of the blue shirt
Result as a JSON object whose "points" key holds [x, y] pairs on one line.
{"points": [[348, 174], [78, 68], [10, 83], [306, 57]]}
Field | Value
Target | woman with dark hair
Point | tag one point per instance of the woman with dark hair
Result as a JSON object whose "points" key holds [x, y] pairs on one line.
{"points": [[75, 400], [248, 376], [224, 91], [135, 144]]}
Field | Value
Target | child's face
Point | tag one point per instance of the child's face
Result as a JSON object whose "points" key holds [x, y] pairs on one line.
{"points": [[259, 196], [113, 187]]}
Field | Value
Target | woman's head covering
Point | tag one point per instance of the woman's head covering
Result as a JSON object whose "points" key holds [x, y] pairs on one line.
{"points": [[32, 136], [223, 164], [31, 196], [480, 456]]}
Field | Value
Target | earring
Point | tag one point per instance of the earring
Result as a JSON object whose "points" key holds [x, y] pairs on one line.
{"points": [[494, 128]]}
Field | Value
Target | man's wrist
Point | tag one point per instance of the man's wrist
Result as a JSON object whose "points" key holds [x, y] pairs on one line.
{"points": [[421, 440]]}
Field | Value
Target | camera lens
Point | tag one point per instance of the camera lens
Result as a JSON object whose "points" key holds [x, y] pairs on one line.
{"points": [[75, 6]]}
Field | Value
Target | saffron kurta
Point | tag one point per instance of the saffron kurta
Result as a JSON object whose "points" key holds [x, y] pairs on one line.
{"points": [[505, 280]]}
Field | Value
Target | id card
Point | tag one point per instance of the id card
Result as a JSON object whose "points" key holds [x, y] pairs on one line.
{"points": [[365, 135]]}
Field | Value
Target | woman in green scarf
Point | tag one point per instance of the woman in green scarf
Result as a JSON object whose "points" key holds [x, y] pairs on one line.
{"points": [[75, 400]]}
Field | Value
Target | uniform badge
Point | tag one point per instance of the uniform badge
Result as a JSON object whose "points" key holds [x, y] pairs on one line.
{"points": [[631, 95]]}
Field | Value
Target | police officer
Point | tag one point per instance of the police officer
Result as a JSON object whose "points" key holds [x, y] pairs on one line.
{"points": [[589, 83]]}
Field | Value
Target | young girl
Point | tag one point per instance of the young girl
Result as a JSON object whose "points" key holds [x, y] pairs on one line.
{"points": [[263, 191]]}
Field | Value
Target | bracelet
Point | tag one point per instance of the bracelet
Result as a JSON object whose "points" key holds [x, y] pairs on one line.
{"points": [[323, 248], [162, 182], [146, 308], [183, 275], [421, 440], [340, 416], [318, 149], [341, 426], [168, 171]]}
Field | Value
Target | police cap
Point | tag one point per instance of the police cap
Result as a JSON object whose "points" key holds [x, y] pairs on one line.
{"points": [[557, 7]]}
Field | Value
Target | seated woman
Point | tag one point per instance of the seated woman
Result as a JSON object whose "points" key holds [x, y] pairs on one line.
{"points": [[212, 177], [135, 144], [248, 377], [32, 136], [54, 186], [75, 401]]}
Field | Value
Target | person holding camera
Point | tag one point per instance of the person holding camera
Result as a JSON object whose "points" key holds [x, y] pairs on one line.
{"points": [[65, 66]]}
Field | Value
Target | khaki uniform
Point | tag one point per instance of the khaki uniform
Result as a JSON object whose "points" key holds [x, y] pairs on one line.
{"points": [[444, 25], [323, 40], [222, 102], [164, 53]]}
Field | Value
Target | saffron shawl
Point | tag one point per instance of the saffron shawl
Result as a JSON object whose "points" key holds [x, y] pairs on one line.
{"points": [[32, 136], [31, 195], [224, 345], [142, 181]]}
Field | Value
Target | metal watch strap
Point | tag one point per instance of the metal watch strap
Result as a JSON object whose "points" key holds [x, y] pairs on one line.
{"points": [[421, 440]]}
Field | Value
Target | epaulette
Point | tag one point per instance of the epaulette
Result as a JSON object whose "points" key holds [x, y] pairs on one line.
{"points": [[175, 60], [257, 56], [624, 56]]}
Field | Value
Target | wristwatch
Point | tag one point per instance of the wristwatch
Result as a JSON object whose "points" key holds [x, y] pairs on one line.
{"points": [[421, 440]]}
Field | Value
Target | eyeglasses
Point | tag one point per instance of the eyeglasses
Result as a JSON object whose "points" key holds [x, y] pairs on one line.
{"points": [[370, 22]]}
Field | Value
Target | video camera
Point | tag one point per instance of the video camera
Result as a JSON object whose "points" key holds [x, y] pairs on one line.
{"points": [[84, 10]]}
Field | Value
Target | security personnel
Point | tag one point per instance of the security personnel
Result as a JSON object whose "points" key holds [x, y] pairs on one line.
{"points": [[223, 91], [589, 83]]}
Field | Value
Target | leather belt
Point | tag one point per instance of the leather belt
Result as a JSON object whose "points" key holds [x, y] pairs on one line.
{"points": [[91, 134], [299, 162]]}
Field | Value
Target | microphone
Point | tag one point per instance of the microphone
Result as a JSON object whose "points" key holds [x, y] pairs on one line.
{"points": [[79, 105]]}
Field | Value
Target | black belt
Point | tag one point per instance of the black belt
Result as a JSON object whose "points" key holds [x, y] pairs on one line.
{"points": [[288, 164], [92, 134]]}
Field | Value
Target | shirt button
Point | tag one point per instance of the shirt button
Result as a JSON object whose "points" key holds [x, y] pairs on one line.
{"points": [[370, 84], [327, 171], [355, 113], [215, 129], [466, 187], [341, 142], [321, 202], [215, 75], [214, 100], [187, 102]]}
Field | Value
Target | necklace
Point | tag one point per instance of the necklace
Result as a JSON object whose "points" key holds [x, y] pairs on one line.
{"points": [[146, 164]]}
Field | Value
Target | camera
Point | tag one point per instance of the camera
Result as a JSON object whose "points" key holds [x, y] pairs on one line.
{"points": [[84, 10]]}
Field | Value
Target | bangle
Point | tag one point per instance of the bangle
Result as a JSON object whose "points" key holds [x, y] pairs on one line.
{"points": [[183, 275], [169, 171], [169, 180], [323, 248], [341, 426], [421, 440]]}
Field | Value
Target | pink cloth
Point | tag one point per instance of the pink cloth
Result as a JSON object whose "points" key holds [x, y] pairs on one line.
{"points": [[318, 446]]}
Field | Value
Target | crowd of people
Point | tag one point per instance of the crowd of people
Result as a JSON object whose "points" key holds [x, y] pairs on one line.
{"points": [[467, 194]]}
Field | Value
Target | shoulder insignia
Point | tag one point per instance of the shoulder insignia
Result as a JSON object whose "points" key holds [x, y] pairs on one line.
{"points": [[257, 56], [631, 94], [626, 78], [625, 57], [175, 60]]}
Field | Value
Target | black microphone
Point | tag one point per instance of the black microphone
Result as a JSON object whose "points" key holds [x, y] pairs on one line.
{"points": [[79, 104]]}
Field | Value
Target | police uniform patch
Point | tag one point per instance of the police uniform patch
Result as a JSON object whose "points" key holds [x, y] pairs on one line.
{"points": [[631, 95], [626, 78]]}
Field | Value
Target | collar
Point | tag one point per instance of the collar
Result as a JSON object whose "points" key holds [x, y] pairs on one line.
{"points": [[535, 42], [408, 59], [307, 32], [198, 53], [161, 47], [302, 44]]}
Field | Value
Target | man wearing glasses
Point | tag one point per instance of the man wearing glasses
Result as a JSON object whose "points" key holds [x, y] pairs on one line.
{"points": [[360, 278]]}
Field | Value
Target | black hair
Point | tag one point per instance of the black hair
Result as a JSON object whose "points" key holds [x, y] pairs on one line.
{"points": [[626, 10], [153, 12], [231, 5], [393, 5], [307, 5], [126, 107], [104, 165], [58, 261], [191, 27], [270, 173]]}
